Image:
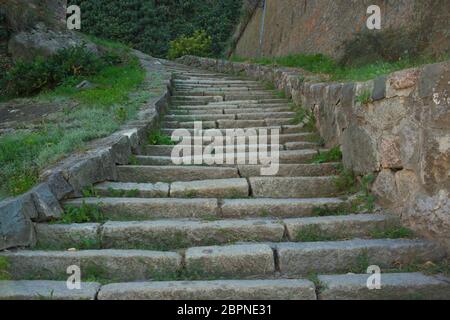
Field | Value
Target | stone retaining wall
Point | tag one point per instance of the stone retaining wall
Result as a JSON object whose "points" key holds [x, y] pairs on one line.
{"points": [[402, 134], [70, 176]]}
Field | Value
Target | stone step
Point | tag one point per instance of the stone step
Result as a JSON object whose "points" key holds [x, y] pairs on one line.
{"points": [[292, 170], [187, 112], [250, 131], [132, 190], [46, 290], [281, 289], [282, 138], [279, 121], [213, 188], [165, 235], [228, 94], [115, 265], [230, 107], [153, 174], [256, 110], [293, 187], [178, 234], [211, 98], [346, 256], [190, 125], [149, 208], [394, 286], [301, 145], [264, 115], [248, 96], [234, 261], [200, 117], [279, 208], [223, 83], [249, 158], [55, 236], [253, 102], [237, 124], [337, 227], [166, 150]]}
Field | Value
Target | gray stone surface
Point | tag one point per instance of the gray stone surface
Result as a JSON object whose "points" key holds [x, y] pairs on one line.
{"points": [[234, 261], [44, 42], [58, 185], [120, 265], [292, 170], [146, 174], [342, 227], [276, 207], [133, 190], [47, 205], [145, 209], [343, 256], [176, 234], [16, 227], [46, 290], [213, 188], [211, 290], [295, 187], [66, 236], [400, 286]]}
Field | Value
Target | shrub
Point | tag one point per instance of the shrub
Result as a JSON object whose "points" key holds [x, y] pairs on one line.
{"points": [[199, 44], [28, 78]]}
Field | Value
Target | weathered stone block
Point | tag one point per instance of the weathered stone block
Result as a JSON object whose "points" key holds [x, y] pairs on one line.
{"points": [[16, 228], [46, 204]]}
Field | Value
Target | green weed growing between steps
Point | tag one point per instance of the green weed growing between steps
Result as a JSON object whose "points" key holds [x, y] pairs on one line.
{"points": [[333, 155], [156, 137], [4, 269], [82, 214]]}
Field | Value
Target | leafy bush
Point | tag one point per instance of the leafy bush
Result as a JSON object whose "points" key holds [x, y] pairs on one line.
{"points": [[28, 78], [199, 44]]}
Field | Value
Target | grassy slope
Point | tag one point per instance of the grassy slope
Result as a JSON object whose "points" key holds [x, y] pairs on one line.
{"points": [[99, 112], [323, 64]]}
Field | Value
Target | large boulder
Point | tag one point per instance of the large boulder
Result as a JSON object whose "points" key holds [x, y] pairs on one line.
{"points": [[23, 15], [16, 227], [42, 41]]}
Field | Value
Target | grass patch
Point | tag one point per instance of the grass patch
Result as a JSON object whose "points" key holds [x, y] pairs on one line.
{"points": [[83, 214], [156, 137], [332, 155], [314, 233], [79, 244], [392, 232], [4, 269], [304, 117], [365, 97], [314, 278], [99, 112], [325, 65]]}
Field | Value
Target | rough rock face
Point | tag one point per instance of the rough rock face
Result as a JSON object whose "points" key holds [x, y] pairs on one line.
{"points": [[321, 26], [38, 28], [24, 15], [402, 136], [42, 41]]}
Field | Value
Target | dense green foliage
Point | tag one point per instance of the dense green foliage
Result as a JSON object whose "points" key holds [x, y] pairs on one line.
{"points": [[199, 44], [150, 25], [28, 78]]}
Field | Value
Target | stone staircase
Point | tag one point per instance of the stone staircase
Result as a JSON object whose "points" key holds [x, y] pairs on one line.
{"points": [[223, 231]]}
